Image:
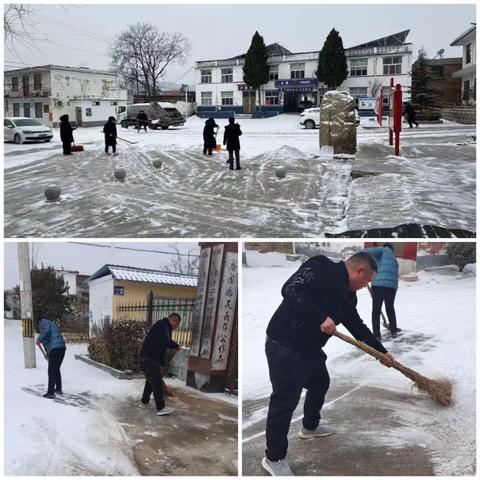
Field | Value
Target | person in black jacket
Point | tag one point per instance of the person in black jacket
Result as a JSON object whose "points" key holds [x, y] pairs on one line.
{"points": [[152, 359], [142, 120], [410, 115], [209, 137], [66, 135], [110, 132], [232, 140], [319, 296]]}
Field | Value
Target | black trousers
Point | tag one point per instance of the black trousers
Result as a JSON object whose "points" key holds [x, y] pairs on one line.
{"points": [[142, 125], [153, 381], [67, 148], [55, 359], [380, 295], [412, 120], [113, 145], [237, 158], [289, 374], [207, 149]]}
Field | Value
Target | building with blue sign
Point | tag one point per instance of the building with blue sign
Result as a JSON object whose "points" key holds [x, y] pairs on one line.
{"points": [[292, 85]]}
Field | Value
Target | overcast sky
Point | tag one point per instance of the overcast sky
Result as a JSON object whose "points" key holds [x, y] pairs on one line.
{"points": [[88, 259], [79, 35]]}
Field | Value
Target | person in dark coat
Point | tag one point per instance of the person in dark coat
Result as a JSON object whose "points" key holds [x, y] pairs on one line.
{"points": [[318, 297], [152, 359], [66, 135], [232, 140], [384, 287], [410, 115], [110, 132], [209, 137], [142, 120], [53, 343]]}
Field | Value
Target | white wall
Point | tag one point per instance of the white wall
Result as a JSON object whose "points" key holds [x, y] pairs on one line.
{"points": [[101, 301], [71, 279]]}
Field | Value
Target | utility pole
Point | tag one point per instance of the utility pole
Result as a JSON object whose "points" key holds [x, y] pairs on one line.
{"points": [[26, 305]]}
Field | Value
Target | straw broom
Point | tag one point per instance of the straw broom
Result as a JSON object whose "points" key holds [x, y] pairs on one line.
{"points": [[439, 390]]}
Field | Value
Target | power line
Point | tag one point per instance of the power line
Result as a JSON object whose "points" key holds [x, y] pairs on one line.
{"points": [[135, 249]]}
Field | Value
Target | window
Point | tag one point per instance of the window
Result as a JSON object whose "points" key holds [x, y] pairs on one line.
{"points": [[437, 72], [46, 108], [88, 112], [8, 123], [358, 67], [386, 96], [392, 65], [273, 72], [271, 97], [26, 90], [358, 91], [14, 84], [227, 75], [468, 53], [38, 110], [26, 110], [95, 104], [206, 98], [466, 90], [37, 81], [113, 103], [227, 98], [16, 109], [206, 76], [297, 70]]}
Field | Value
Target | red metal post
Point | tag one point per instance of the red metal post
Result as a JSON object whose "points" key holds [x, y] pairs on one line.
{"points": [[398, 117], [380, 107], [391, 113]]}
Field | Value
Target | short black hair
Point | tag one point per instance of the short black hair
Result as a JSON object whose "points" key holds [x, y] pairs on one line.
{"points": [[362, 258], [389, 245], [175, 314]]}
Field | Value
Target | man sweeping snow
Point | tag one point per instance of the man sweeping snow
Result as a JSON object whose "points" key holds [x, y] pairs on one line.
{"points": [[319, 296]]}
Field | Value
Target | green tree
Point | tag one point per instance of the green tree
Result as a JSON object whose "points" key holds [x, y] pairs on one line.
{"points": [[461, 254], [332, 67], [50, 294], [424, 96], [255, 68]]}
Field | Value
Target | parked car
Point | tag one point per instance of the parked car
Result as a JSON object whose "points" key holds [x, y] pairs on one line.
{"points": [[157, 116], [24, 129], [310, 118]]}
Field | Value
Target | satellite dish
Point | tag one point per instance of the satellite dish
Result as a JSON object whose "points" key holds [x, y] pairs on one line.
{"points": [[441, 52]]}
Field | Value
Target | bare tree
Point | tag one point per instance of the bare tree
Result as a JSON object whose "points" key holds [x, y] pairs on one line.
{"points": [[186, 263], [375, 85], [18, 26], [141, 55]]}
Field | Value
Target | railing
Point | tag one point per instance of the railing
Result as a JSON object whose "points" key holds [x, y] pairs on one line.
{"points": [[157, 308]]}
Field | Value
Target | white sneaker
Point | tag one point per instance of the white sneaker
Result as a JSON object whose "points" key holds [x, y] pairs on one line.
{"points": [[280, 468], [143, 405], [165, 411], [318, 432]]}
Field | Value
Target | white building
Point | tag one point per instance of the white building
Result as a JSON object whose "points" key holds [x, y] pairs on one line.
{"points": [[220, 90], [468, 73], [46, 92]]}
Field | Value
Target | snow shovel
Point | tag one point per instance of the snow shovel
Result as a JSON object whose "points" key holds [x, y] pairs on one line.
{"points": [[440, 390], [128, 141], [384, 320], [218, 146], [166, 390], [40, 346], [77, 148]]}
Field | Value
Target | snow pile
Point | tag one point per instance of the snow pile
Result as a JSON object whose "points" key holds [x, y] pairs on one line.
{"points": [[437, 314]]}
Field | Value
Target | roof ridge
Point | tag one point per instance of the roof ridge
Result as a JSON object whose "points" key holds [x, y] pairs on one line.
{"points": [[127, 267]]}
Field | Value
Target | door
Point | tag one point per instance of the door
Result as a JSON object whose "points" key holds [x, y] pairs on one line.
{"points": [[249, 98], [78, 116], [7, 130], [26, 110], [290, 102]]}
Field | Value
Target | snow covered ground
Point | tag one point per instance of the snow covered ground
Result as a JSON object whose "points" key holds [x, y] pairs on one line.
{"points": [[194, 195], [437, 314], [80, 433]]}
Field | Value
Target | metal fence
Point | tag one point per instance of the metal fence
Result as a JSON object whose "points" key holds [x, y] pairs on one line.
{"points": [[157, 308]]}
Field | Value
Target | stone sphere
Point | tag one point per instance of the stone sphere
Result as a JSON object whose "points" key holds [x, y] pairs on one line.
{"points": [[53, 192], [157, 163], [280, 172], [120, 173]]}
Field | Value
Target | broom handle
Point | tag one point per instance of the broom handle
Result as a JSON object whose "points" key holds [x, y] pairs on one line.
{"points": [[384, 320]]}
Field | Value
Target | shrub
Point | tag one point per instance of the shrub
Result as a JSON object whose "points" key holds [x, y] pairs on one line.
{"points": [[123, 341], [97, 349], [461, 254]]}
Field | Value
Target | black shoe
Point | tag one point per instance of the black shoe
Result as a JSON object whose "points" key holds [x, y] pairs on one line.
{"points": [[239, 168], [58, 392], [393, 334], [49, 395]]}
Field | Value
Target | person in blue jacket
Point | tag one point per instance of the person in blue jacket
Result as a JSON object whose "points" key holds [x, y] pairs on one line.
{"points": [[384, 287], [52, 340]]}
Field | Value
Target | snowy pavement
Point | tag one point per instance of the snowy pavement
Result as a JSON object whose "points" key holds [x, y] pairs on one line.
{"points": [[383, 426], [95, 428], [193, 195]]}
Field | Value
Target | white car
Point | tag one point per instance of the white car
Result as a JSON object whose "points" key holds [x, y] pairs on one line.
{"points": [[24, 129], [310, 117]]}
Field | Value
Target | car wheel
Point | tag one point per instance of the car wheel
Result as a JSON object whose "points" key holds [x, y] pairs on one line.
{"points": [[17, 139], [309, 124], [124, 124], [164, 128]]}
